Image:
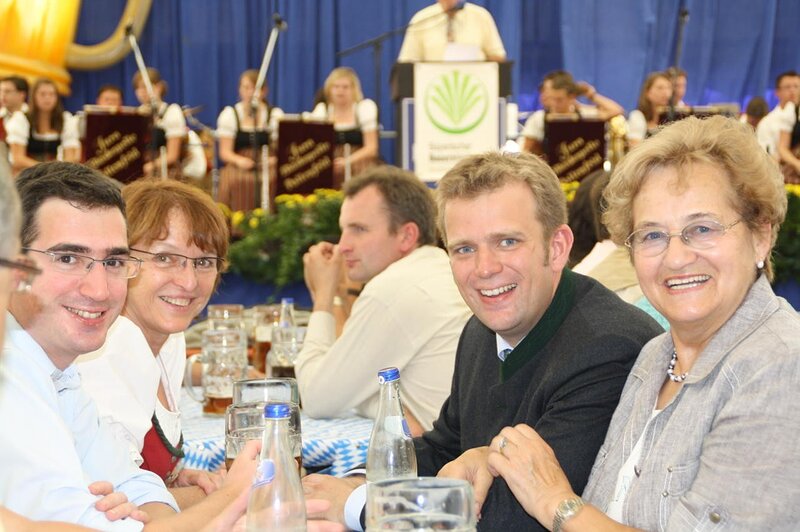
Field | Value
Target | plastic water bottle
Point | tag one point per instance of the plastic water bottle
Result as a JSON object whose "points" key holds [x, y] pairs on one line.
{"points": [[391, 449], [276, 497]]}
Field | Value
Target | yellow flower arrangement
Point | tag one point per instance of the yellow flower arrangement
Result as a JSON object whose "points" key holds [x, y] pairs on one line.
{"points": [[271, 246], [786, 254]]}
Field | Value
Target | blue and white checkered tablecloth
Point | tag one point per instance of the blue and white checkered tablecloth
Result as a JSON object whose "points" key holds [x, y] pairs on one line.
{"points": [[340, 443]]}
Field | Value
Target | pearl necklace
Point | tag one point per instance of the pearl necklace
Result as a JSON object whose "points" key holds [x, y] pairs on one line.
{"points": [[671, 369]]}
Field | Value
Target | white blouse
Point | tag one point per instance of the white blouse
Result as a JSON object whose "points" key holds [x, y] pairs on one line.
{"points": [[18, 130], [366, 115], [226, 122], [123, 376]]}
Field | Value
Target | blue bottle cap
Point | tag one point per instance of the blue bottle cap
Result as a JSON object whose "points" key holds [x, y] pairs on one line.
{"points": [[277, 411], [287, 301], [388, 375]]}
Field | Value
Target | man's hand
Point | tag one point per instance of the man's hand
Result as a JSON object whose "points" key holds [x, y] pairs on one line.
{"points": [[208, 482], [332, 489], [472, 466], [322, 268], [115, 504], [319, 507]]}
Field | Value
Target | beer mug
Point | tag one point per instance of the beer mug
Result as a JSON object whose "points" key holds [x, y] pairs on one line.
{"points": [[245, 422], [424, 503], [223, 360]]}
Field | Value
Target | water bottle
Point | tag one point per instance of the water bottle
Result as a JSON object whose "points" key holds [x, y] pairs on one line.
{"points": [[276, 497], [391, 449]]}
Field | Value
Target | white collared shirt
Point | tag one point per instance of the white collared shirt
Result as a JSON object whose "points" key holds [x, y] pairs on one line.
{"points": [[54, 443]]}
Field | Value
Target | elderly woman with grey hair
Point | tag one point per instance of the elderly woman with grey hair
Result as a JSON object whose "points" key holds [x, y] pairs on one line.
{"points": [[706, 432]]}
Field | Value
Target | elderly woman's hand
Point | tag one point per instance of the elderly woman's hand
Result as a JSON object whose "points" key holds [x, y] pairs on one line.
{"points": [[530, 469]]}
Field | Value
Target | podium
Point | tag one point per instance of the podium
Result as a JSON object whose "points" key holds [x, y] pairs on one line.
{"points": [[576, 147], [446, 111]]}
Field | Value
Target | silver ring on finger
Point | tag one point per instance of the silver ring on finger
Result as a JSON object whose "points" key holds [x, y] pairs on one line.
{"points": [[502, 445]]}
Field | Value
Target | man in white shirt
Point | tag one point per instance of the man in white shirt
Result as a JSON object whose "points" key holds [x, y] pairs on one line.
{"points": [[409, 314], [74, 231], [782, 117], [452, 29]]}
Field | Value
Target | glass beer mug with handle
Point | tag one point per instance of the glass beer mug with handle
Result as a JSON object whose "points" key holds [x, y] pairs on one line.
{"points": [[223, 360]]}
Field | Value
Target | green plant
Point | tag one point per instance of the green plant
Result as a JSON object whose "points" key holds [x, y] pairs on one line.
{"points": [[271, 246], [786, 254]]}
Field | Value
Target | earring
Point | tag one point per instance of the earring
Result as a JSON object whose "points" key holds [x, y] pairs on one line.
{"points": [[760, 265]]}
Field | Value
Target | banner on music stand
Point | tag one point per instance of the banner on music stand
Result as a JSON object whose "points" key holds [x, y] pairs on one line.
{"points": [[575, 148], [115, 143], [305, 156]]}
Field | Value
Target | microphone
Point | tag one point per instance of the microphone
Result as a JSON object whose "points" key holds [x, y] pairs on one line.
{"points": [[279, 22], [684, 14], [129, 29]]}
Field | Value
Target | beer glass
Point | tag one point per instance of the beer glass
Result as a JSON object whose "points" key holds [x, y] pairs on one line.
{"points": [[425, 503], [286, 346], [223, 360], [244, 422], [264, 317]]}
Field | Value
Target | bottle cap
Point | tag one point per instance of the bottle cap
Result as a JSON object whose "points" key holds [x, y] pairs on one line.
{"points": [[287, 301], [388, 375], [277, 410]]}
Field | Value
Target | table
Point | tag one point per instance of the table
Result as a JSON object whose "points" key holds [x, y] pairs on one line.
{"points": [[340, 444]]}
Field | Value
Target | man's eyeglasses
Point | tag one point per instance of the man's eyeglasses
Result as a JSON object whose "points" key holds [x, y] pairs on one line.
{"points": [[28, 271], [652, 241], [176, 261], [70, 263]]}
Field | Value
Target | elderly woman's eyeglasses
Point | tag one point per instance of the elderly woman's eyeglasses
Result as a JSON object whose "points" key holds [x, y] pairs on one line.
{"points": [[176, 261], [28, 272], [70, 263], [652, 241]]}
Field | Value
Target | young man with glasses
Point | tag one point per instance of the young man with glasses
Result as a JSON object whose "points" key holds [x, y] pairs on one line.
{"points": [[54, 442]]}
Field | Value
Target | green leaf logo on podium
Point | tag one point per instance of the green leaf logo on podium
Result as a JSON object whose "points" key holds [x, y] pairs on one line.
{"points": [[456, 102]]}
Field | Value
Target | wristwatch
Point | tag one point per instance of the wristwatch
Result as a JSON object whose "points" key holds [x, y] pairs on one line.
{"points": [[566, 510]]}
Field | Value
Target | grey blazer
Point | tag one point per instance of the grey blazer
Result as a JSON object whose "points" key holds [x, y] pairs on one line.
{"points": [[725, 453]]}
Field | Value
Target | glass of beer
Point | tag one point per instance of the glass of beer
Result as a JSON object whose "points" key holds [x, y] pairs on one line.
{"points": [[286, 346], [224, 360], [244, 422], [264, 317], [425, 503]]}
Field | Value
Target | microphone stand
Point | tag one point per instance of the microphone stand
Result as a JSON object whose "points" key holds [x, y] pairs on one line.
{"points": [[151, 95], [377, 45], [278, 26], [683, 18]]}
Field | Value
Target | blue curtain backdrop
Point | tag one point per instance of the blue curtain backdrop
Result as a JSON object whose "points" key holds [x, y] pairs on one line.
{"points": [[732, 49]]}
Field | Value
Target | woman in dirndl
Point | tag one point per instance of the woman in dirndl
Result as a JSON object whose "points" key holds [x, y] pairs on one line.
{"points": [[241, 138]]}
